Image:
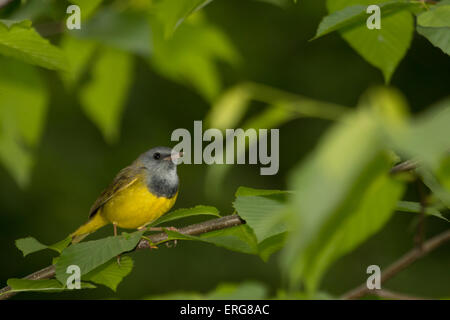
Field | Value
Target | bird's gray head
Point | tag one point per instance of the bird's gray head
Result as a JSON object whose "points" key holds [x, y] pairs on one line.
{"points": [[161, 171]]}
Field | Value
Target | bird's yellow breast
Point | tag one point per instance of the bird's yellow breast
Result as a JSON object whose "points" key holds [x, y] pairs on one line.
{"points": [[136, 206]]}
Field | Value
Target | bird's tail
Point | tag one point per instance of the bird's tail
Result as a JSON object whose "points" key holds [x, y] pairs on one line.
{"points": [[93, 224]]}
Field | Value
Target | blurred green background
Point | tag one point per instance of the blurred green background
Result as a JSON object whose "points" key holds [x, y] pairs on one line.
{"points": [[73, 163]]}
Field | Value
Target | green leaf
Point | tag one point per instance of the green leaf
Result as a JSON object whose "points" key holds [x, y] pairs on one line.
{"points": [[439, 37], [443, 173], [375, 208], [271, 245], [229, 108], [415, 207], [426, 138], [30, 245], [92, 254], [10, 23], [239, 238], [24, 285], [184, 213], [80, 53], [111, 273], [247, 290], [333, 188], [282, 107], [355, 15], [124, 30], [173, 12], [384, 48], [87, 7], [262, 213], [437, 17], [280, 3], [247, 192], [103, 98], [15, 158], [432, 182], [190, 56], [23, 107], [340, 19], [20, 41]]}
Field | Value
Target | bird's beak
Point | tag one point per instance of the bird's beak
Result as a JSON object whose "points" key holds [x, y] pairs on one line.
{"points": [[174, 156]]}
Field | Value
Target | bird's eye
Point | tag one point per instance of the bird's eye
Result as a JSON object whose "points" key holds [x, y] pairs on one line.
{"points": [[157, 155]]}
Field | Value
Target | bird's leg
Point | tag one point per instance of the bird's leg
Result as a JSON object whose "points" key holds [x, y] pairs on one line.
{"points": [[150, 243], [168, 245], [115, 235]]}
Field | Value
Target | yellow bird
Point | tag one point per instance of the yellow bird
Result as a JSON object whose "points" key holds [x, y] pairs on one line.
{"points": [[139, 194]]}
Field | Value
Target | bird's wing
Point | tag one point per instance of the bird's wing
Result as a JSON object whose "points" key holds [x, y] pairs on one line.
{"points": [[125, 178]]}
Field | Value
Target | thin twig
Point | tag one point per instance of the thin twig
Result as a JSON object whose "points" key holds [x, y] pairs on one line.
{"points": [[195, 229], [4, 3], [403, 262], [387, 294], [408, 165]]}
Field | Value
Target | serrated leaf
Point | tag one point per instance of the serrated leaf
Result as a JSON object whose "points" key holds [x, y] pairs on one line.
{"points": [[426, 138], [271, 245], [25, 285], [80, 53], [262, 213], [173, 12], [92, 254], [375, 208], [229, 108], [355, 15], [330, 194], [340, 19], [247, 192], [191, 54], [247, 290], [111, 273], [439, 37], [438, 17], [123, 30], [23, 107], [103, 97], [30, 245], [415, 207], [384, 48], [238, 238], [22, 42], [10, 23], [184, 213], [432, 182]]}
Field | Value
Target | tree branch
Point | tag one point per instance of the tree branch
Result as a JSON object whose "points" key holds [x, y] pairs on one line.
{"points": [[403, 262], [195, 229]]}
